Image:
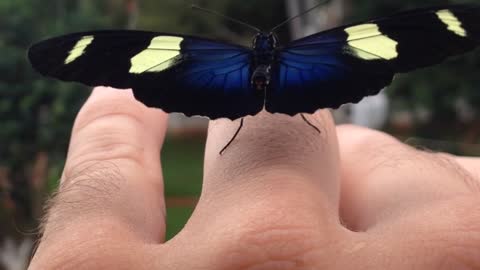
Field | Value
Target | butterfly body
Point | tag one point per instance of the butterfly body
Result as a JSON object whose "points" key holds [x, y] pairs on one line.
{"points": [[198, 76], [264, 46]]}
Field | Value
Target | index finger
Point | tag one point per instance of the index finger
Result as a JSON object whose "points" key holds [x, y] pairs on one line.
{"points": [[112, 188]]}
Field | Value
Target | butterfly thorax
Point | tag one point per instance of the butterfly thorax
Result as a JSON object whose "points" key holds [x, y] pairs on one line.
{"points": [[263, 55]]}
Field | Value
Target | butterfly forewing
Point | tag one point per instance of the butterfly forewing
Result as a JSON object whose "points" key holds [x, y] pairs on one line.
{"points": [[198, 76], [343, 65], [176, 73]]}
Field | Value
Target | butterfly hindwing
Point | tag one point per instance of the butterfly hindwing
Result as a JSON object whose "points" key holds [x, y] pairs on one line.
{"points": [[343, 65], [176, 73]]}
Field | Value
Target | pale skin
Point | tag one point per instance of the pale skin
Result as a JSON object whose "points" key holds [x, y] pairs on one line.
{"points": [[281, 197]]}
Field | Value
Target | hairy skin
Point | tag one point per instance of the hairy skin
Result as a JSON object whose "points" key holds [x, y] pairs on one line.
{"points": [[281, 197]]}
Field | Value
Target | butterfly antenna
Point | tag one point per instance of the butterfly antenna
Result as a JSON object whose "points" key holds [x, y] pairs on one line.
{"points": [[300, 15], [196, 7]]}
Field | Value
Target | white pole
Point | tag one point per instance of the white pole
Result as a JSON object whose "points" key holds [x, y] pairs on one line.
{"points": [[293, 8]]}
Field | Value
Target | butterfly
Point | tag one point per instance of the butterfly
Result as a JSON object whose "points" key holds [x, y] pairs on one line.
{"points": [[198, 76]]}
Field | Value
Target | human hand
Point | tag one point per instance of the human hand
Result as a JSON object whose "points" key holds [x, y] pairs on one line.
{"points": [[281, 197]]}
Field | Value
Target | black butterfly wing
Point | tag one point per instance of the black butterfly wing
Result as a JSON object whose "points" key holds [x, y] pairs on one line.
{"points": [[176, 73], [345, 64]]}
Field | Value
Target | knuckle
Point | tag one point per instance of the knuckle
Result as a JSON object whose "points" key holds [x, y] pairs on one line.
{"points": [[108, 135], [277, 247], [110, 146], [118, 105], [280, 243], [363, 140]]}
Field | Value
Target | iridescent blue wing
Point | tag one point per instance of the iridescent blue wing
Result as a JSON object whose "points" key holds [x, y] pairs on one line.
{"points": [[345, 64], [191, 75]]}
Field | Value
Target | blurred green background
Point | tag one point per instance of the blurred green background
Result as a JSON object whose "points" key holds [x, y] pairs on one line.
{"points": [[441, 104]]}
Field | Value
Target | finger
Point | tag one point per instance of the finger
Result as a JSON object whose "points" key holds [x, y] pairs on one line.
{"points": [[112, 177], [383, 179], [278, 179]]}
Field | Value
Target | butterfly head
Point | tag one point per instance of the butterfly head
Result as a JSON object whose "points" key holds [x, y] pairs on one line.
{"points": [[265, 42]]}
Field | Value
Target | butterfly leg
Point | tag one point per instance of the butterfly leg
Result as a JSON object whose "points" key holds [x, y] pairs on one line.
{"points": [[310, 124], [233, 138]]}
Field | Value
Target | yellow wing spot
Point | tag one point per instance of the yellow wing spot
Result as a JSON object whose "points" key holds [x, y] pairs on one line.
{"points": [[452, 22], [369, 43], [79, 49], [158, 56]]}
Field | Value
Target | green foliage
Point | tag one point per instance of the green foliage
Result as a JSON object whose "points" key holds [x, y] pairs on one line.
{"points": [[176, 16], [36, 114], [182, 162], [176, 219]]}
